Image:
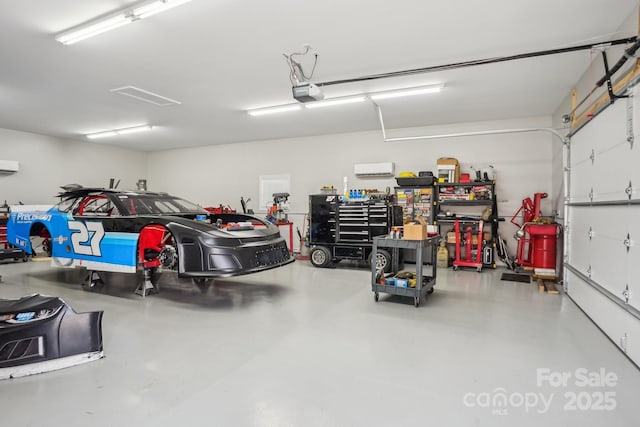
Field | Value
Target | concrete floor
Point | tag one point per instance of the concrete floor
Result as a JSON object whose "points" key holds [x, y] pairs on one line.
{"points": [[300, 346]]}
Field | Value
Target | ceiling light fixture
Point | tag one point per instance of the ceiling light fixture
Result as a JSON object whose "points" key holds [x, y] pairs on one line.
{"points": [[273, 110], [120, 18], [330, 102], [93, 29], [157, 6], [115, 132], [422, 90], [335, 101]]}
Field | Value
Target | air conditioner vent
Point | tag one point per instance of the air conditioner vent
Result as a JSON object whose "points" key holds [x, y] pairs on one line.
{"points": [[146, 96], [373, 170], [9, 166]]}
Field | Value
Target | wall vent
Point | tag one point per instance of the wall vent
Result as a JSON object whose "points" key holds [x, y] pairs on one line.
{"points": [[146, 96], [373, 170]]}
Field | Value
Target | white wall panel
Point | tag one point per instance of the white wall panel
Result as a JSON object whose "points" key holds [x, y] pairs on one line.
{"points": [[46, 163]]}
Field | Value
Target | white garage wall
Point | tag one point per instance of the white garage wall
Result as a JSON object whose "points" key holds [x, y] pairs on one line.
{"points": [[46, 163], [221, 174]]}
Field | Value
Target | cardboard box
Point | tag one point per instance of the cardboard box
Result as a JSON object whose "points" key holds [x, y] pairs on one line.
{"points": [[448, 169], [451, 237], [415, 230]]}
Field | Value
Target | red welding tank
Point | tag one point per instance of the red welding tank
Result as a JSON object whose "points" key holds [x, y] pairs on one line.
{"points": [[544, 242]]}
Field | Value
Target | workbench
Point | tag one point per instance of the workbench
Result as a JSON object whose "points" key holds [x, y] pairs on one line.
{"points": [[421, 247]]}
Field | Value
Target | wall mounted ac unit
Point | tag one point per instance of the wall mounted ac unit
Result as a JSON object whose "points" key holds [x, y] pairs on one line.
{"points": [[9, 166], [373, 170]]}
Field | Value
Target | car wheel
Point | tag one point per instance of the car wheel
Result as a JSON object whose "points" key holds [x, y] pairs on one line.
{"points": [[382, 260], [320, 256]]}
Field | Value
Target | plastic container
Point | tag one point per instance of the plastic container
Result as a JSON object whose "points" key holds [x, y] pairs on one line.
{"points": [[442, 260]]}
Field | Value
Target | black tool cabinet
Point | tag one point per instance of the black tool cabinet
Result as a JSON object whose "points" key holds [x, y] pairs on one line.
{"points": [[344, 229]]}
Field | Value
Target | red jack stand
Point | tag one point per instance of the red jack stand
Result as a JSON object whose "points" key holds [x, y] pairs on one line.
{"points": [[469, 260]]}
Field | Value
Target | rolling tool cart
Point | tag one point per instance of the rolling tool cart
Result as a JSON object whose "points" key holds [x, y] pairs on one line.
{"points": [[343, 229], [423, 284]]}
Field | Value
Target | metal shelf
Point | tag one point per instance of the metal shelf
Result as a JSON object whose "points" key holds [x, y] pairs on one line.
{"points": [[466, 202]]}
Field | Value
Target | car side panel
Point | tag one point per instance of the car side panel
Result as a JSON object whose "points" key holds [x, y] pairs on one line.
{"points": [[84, 242], [19, 227]]}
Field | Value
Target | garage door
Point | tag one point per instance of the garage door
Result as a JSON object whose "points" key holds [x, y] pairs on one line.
{"points": [[603, 222]]}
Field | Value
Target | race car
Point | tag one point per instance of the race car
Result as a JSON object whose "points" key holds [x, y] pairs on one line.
{"points": [[108, 230]]}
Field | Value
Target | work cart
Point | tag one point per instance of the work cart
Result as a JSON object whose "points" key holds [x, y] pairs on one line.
{"points": [[7, 251], [423, 284]]}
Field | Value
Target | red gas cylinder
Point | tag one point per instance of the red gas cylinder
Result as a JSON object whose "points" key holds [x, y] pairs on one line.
{"points": [[544, 241]]}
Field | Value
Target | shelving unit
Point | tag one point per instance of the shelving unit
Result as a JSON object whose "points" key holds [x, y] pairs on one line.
{"points": [[415, 201], [467, 202], [421, 247]]}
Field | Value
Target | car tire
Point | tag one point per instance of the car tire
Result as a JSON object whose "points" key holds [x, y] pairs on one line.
{"points": [[320, 256], [382, 261]]}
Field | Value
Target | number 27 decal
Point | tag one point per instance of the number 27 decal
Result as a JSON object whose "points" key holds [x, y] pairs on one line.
{"points": [[86, 237]]}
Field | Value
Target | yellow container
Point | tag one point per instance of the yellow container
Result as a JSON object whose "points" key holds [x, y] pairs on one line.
{"points": [[442, 260]]}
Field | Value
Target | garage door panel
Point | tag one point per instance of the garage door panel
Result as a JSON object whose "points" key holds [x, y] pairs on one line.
{"points": [[599, 157], [608, 254], [581, 187], [579, 243], [633, 266], [604, 237], [612, 172], [635, 147], [621, 326], [581, 164]]}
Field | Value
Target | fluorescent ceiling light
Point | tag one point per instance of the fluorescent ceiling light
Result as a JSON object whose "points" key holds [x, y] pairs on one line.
{"points": [[93, 29], [336, 101], [156, 7], [273, 110], [406, 92], [375, 96], [116, 132], [116, 20]]}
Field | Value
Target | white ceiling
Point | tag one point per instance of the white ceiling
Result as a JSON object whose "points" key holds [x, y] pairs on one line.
{"points": [[220, 57]]}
